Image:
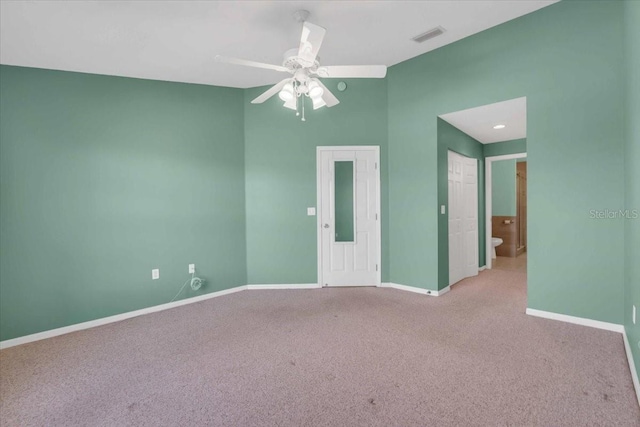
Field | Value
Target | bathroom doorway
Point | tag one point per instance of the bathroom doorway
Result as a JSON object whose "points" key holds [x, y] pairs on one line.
{"points": [[521, 203], [506, 212]]}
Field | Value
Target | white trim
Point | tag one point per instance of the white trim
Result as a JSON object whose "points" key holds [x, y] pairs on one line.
{"points": [[507, 157], [484, 267], [319, 213], [442, 291], [614, 327], [320, 149], [416, 290], [632, 366], [488, 200], [112, 319], [284, 286]]}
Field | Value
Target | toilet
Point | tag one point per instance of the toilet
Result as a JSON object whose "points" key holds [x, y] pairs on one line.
{"points": [[495, 241]]}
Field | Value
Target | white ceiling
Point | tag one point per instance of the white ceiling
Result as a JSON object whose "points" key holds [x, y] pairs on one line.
{"points": [[178, 40], [479, 122]]}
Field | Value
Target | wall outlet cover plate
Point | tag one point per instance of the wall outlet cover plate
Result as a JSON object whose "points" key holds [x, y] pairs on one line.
{"points": [[155, 274]]}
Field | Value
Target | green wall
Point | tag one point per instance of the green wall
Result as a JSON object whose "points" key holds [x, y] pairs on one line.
{"points": [[451, 138], [566, 59], [632, 175], [103, 179], [503, 188], [280, 161], [507, 147]]}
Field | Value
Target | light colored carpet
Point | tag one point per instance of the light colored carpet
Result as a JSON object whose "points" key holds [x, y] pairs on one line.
{"points": [[328, 357]]}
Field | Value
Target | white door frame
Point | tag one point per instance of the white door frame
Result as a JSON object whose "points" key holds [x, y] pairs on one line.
{"points": [[319, 151], [488, 200]]}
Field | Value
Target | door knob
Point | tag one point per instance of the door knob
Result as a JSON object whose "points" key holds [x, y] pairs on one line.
{"points": [[326, 226]]}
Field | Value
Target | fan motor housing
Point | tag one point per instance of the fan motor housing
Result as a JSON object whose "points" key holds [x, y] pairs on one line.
{"points": [[292, 61]]}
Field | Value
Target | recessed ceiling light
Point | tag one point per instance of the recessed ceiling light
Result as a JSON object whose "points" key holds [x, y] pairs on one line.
{"points": [[500, 126]]}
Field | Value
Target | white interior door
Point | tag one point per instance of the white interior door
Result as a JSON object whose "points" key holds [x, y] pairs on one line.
{"points": [[463, 217], [455, 217], [349, 206], [470, 221]]}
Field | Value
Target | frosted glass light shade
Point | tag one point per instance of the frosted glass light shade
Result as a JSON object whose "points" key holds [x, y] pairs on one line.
{"points": [[287, 92]]}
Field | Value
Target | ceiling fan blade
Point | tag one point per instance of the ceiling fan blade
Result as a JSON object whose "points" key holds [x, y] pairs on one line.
{"points": [[329, 99], [270, 92], [353, 71], [310, 42], [238, 61]]}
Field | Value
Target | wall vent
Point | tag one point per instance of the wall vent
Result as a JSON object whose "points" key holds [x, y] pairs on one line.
{"points": [[434, 32]]}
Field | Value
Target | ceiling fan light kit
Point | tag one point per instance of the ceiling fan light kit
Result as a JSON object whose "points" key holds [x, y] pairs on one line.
{"points": [[286, 94], [304, 64]]}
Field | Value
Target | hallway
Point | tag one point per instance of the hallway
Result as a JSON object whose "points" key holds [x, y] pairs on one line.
{"points": [[518, 263]]}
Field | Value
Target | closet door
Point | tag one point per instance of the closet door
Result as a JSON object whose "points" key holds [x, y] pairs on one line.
{"points": [[463, 217], [470, 202], [456, 247]]}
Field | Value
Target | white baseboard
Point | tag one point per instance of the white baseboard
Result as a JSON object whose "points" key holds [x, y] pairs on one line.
{"points": [[614, 327], [128, 315], [285, 286], [111, 319], [632, 366], [484, 267], [443, 291], [416, 290]]}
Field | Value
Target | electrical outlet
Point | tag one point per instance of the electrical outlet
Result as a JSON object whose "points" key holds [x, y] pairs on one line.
{"points": [[155, 274], [192, 268], [442, 210], [633, 314], [311, 211]]}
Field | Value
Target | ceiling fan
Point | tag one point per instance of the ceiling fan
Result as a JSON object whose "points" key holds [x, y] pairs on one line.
{"points": [[304, 65]]}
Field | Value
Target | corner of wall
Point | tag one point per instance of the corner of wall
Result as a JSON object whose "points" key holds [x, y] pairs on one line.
{"points": [[631, 16]]}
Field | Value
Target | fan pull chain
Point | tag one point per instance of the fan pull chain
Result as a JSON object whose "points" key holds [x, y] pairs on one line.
{"points": [[295, 93], [303, 119]]}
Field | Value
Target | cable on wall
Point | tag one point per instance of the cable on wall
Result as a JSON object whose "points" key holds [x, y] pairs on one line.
{"points": [[196, 283]]}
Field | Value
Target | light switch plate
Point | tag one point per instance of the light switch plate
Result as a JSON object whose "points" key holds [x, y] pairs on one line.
{"points": [[192, 268], [311, 211], [443, 209], [155, 274]]}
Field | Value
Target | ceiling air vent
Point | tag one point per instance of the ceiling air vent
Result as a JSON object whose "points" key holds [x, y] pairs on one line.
{"points": [[434, 32]]}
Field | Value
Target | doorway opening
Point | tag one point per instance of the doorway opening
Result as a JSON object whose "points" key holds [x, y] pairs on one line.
{"points": [[506, 212], [484, 135]]}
